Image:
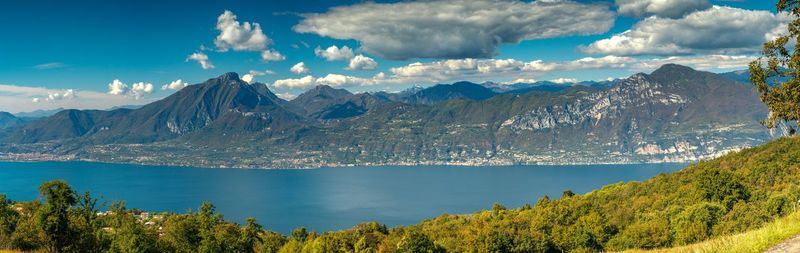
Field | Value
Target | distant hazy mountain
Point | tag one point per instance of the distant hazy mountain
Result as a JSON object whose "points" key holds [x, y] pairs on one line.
{"points": [[399, 96], [326, 103], [675, 114], [439, 93], [548, 86], [444, 92], [125, 107], [743, 76], [8, 120], [38, 113], [524, 87]]}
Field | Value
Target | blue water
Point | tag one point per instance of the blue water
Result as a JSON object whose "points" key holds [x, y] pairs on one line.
{"points": [[321, 199]]}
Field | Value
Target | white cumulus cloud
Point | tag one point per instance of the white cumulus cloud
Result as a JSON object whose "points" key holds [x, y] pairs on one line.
{"points": [[563, 80], [57, 95], [337, 80], [454, 29], [447, 69], [334, 53], [243, 36], [272, 55], [511, 69], [299, 68], [174, 85], [137, 91], [17, 98], [306, 81], [520, 80], [362, 62], [334, 80], [660, 8], [718, 30], [250, 77], [202, 59], [493, 69], [117, 87]]}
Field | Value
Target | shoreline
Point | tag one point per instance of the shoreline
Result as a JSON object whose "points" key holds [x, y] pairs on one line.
{"points": [[332, 166]]}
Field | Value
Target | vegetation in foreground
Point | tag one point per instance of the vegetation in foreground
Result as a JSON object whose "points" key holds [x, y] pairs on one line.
{"points": [[728, 195], [757, 240]]}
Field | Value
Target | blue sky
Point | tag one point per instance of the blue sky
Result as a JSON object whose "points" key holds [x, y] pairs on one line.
{"points": [[68, 53]]}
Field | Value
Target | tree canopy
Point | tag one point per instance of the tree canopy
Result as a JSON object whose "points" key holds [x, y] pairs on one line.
{"points": [[776, 74]]}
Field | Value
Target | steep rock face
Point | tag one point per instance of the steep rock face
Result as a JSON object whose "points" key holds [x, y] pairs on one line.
{"points": [[674, 112]]}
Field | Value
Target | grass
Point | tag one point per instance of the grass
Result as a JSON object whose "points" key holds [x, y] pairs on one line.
{"points": [[753, 241]]}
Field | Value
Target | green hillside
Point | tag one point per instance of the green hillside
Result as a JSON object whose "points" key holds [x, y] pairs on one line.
{"points": [[735, 193], [757, 240]]}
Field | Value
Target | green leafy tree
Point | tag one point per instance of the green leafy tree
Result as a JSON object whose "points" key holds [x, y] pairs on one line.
{"points": [[777, 74], [28, 235], [88, 236], [208, 220], [722, 186], [53, 216], [300, 234], [251, 235], [181, 233], [696, 222], [130, 236], [8, 221], [271, 242], [417, 242]]}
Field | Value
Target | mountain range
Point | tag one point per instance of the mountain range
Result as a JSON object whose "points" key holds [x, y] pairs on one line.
{"points": [[674, 114]]}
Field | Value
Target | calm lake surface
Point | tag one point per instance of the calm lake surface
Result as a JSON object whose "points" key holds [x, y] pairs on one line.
{"points": [[321, 199]]}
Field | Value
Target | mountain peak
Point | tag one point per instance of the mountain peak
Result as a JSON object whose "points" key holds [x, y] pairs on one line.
{"points": [[229, 76], [464, 83], [323, 87], [328, 91], [671, 68]]}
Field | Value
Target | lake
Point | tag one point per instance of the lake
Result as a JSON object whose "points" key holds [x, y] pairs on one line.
{"points": [[321, 199]]}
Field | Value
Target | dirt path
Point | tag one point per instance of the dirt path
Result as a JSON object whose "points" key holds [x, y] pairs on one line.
{"points": [[788, 246]]}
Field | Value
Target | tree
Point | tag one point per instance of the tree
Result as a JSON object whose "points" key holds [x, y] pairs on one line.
{"points": [[250, 235], [696, 222], [417, 242], [88, 237], [129, 235], [779, 80], [53, 216], [8, 221], [181, 234], [498, 207], [721, 186], [300, 234]]}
